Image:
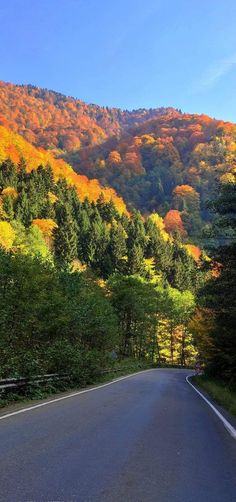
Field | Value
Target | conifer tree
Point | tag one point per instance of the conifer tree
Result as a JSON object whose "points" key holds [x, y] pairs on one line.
{"points": [[23, 211], [65, 243], [135, 259], [8, 207], [219, 295], [117, 246], [8, 174]]}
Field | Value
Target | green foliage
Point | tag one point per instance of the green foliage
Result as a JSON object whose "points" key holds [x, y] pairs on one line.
{"points": [[56, 316], [220, 391], [219, 294], [153, 320], [43, 312], [135, 303], [65, 243]]}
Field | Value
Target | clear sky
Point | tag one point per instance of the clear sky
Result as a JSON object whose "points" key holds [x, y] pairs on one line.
{"points": [[125, 53]]}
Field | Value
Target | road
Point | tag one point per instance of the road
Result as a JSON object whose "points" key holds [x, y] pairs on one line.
{"points": [[146, 438]]}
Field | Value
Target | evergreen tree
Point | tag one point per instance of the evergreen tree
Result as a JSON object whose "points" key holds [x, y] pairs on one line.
{"points": [[117, 247], [8, 206], [8, 174], [22, 174], [183, 273], [107, 210], [66, 240], [135, 260], [159, 249], [220, 293], [48, 210], [23, 211]]}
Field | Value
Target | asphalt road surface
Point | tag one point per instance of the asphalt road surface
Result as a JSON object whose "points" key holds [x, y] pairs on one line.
{"points": [[147, 438]]}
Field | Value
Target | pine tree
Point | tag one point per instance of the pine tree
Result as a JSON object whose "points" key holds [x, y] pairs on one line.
{"points": [[117, 247], [66, 240], [220, 293], [8, 174], [23, 211], [22, 174], [48, 210], [135, 260], [183, 272], [8, 207]]}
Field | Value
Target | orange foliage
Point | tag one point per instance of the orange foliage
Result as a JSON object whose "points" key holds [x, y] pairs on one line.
{"points": [[47, 227], [173, 222], [114, 157], [183, 190], [15, 147], [194, 251], [51, 120]]}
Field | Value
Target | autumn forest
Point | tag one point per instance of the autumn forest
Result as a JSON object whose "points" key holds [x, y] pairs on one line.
{"points": [[117, 236]]}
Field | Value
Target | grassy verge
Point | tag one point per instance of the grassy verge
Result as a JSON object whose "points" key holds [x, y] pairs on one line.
{"points": [[219, 391], [43, 391]]}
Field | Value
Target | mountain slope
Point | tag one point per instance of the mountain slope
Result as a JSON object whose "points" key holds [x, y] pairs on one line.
{"points": [[170, 163], [157, 160], [15, 147], [51, 120]]}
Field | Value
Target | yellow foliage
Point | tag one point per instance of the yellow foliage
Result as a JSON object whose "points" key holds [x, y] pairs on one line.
{"points": [[15, 147], [52, 197], [77, 266], [228, 178], [7, 235], [10, 191], [147, 139], [150, 272], [159, 222]]}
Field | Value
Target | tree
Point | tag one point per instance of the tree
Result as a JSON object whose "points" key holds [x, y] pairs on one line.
{"points": [[185, 198], [117, 247], [176, 309], [31, 312], [135, 259], [65, 236], [134, 301], [8, 206], [219, 294], [7, 235], [173, 223]]}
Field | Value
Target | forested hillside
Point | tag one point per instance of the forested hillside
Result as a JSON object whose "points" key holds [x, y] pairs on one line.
{"points": [[81, 276], [157, 160], [15, 148], [171, 165], [54, 121]]}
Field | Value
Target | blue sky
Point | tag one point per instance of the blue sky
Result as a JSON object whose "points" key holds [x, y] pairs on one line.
{"points": [[125, 53]]}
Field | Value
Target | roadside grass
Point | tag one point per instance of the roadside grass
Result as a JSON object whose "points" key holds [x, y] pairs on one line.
{"points": [[219, 391], [43, 391]]}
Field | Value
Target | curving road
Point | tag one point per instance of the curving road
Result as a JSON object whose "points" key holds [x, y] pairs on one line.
{"points": [[147, 438]]}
